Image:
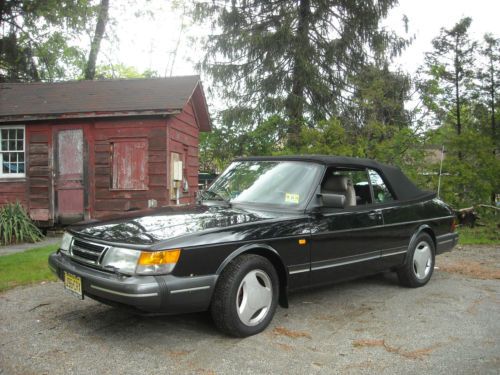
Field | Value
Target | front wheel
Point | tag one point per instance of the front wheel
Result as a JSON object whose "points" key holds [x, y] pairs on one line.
{"points": [[246, 296], [419, 264]]}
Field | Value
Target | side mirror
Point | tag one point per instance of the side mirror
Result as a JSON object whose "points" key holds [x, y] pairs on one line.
{"points": [[333, 200]]}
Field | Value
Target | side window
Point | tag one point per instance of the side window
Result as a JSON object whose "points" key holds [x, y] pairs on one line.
{"points": [[130, 165], [12, 151], [381, 193], [358, 182]]}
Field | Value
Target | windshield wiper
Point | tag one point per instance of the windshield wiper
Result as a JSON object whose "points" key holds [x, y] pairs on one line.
{"points": [[215, 195]]}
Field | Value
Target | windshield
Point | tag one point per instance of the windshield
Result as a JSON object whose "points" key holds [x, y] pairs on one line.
{"points": [[283, 183]]}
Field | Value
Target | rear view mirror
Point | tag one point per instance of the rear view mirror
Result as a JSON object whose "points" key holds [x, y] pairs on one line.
{"points": [[333, 200]]}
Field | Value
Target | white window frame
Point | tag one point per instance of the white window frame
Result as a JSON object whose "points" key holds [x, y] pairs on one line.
{"points": [[13, 175]]}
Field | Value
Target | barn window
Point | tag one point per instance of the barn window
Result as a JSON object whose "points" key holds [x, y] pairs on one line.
{"points": [[130, 165], [12, 140]]}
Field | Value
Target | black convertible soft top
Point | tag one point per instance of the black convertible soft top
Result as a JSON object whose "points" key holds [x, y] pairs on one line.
{"points": [[400, 185]]}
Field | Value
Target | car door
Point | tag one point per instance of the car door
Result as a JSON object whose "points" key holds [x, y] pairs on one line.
{"points": [[345, 243], [398, 221]]}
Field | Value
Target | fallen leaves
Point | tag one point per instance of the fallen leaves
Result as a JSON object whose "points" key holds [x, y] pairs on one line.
{"points": [[415, 354], [473, 269], [282, 331]]}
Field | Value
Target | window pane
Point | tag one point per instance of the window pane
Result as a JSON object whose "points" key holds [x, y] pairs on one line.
{"points": [[380, 192], [12, 151]]}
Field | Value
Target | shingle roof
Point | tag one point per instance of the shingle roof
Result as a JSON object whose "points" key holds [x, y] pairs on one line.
{"points": [[39, 100]]}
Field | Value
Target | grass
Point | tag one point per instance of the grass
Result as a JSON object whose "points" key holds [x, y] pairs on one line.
{"points": [[489, 234], [26, 268]]}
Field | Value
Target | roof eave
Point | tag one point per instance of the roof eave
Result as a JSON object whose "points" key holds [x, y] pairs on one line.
{"points": [[82, 115]]}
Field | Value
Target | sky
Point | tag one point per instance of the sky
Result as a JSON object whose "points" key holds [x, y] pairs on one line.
{"points": [[146, 42]]}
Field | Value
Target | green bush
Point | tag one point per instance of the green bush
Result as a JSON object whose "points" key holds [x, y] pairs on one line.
{"points": [[16, 225]]}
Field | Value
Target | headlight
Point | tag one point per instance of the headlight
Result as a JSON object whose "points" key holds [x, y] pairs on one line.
{"points": [[157, 262], [124, 260], [131, 262], [66, 242]]}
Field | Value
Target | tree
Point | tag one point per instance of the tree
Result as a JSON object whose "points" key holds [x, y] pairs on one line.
{"points": [[290, 58], [471, 179], [102, 20], [489, 78], [38, 39], [117, 71], [449, 73], [379, 95]]}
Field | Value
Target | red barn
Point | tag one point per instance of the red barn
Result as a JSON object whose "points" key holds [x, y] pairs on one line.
{"points": [[79, 150]]}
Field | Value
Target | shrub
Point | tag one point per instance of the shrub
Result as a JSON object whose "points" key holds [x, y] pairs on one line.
{"points": [[16, 225]]}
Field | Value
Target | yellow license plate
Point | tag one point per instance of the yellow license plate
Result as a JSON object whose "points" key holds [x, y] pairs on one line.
{"points": [[73, 284]]}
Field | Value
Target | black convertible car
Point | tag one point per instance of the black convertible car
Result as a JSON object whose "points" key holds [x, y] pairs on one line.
{"points": [[266, 226]]}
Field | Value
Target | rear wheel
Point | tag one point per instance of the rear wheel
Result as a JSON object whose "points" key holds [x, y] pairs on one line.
{"points": [[419, 264], [246, 296]]}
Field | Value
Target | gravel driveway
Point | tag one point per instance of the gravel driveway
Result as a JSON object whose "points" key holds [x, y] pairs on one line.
{"points": [[450, 326]]}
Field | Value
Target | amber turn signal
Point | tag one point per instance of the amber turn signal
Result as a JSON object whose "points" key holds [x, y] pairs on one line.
{"points": [[149, 258], [302, 241]]}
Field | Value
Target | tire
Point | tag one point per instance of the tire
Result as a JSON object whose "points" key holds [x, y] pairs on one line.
{"points": [[419, 264], [246, 296]]}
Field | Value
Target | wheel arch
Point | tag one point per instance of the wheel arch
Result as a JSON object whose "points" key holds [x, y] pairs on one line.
{"points": [[270, 254], [425, 228]]}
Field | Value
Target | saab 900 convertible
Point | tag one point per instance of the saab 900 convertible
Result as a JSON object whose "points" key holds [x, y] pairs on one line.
{"points": [[266, 226]]}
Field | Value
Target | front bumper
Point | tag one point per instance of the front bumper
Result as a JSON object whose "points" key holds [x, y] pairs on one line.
{"points": [[446, 242], [152, 294]]}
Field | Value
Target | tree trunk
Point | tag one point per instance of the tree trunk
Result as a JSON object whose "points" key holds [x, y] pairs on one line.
{"points": [[457, 97], [100, 28], [493, 124], [492, 97], [295, 101]]}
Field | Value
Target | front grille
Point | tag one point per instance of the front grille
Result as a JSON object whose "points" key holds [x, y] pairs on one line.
{"points": [[89, 252]]}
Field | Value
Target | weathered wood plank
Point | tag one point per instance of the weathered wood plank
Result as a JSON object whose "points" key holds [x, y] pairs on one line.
{"points": [[38, 171], [38, 148], [102, 147], [38, 182], [157, 168], [39, 137], [102, 182], [112, 205], [39, 160], [39, 202], [102, 158]]}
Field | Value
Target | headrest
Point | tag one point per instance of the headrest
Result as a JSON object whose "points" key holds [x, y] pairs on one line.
{"points": [[336, 183]]}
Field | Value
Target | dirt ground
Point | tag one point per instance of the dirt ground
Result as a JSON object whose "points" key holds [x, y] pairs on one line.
{"points": [[369, 326]]}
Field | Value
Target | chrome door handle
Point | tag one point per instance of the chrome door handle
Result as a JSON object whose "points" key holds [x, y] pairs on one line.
{"points": [[374, 214]]}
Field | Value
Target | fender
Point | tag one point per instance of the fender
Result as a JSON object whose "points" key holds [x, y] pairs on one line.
{"points": [[413, 238], [263, 249]]}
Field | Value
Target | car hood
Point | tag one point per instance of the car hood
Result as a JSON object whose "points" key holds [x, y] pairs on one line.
{"points": [[166, 223]]}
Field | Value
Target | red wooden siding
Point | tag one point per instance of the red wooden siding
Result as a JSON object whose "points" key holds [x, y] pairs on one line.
{"points": [[126, 163], [39, 172], [13, 191], [183, 134], [118, 139]]}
